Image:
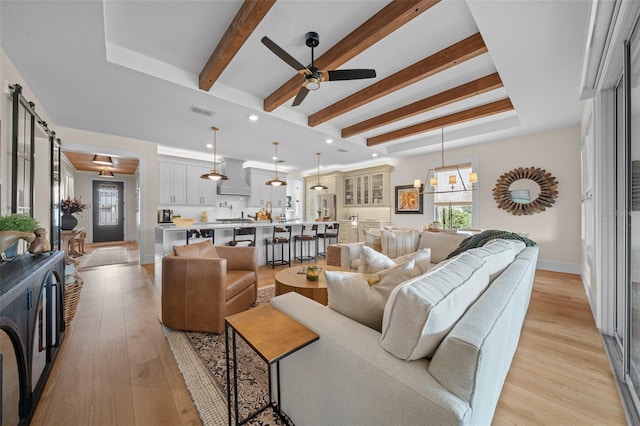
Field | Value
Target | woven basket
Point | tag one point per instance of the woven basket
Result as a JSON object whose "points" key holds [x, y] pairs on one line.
{"points": [[333, 255], [71, 298]]}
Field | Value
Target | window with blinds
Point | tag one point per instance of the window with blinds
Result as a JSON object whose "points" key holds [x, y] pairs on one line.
{"points": [[445, 194]]}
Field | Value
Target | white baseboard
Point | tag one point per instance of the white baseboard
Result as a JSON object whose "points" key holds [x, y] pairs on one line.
{"points": [[551, 265]]}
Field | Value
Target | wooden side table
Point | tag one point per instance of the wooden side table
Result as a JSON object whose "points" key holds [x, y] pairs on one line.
{"points": [[273, 336], [290, 280]]}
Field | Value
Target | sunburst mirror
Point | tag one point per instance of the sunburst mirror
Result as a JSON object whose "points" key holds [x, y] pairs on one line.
{"points": [[525, 191]]}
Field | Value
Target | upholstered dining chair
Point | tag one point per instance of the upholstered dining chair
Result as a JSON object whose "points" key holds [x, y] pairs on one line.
{"points": [[203, 283]]}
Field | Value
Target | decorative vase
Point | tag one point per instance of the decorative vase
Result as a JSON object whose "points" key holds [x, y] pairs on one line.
{"points": [[313, 272], [68, 222]]}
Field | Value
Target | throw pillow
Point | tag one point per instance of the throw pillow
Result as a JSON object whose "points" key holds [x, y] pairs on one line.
{"points": [[352, 295], [372, 261], [201, 249], [420, 313], [372, 239], [400, 243]]}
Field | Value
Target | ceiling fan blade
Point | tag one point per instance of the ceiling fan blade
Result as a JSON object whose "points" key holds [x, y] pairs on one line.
{"points": [[302, 93], [282, 54], [355, 74]]}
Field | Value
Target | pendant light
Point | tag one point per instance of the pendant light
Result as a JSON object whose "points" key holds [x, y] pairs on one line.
{"points": [[106, 173], [276, 181], [214, 175], [104, 160], [453, 180], [317, 186]]}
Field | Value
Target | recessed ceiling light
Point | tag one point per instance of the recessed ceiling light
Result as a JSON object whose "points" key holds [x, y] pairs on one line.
{"points": [[209, 145], [375, 154], [329, 141], [253, 117]]}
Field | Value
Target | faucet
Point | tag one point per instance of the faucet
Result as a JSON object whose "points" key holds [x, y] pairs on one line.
{"points": [[268, 207]]}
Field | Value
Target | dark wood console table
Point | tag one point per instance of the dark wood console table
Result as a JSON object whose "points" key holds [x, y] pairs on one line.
{"points": [[31, 330]]}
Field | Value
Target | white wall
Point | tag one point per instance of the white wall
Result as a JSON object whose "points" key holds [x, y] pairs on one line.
{"points": [[556, 230]]}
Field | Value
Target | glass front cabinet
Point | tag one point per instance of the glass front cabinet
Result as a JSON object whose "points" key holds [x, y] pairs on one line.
{"points": [[368, 187]]}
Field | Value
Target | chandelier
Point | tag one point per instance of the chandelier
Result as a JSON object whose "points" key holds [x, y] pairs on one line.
{"points": [[214, 175], [276, 181], [318, 186], [432, 179]]}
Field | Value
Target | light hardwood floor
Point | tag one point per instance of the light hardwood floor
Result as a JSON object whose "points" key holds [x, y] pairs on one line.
{"points": [[115, 366]]}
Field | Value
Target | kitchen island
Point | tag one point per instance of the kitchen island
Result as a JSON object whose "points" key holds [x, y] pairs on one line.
{"points": [[169, 235]]}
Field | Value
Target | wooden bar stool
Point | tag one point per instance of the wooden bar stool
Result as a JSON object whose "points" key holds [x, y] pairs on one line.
{"points": [[281, 237], [305, 239], [329, 236]]}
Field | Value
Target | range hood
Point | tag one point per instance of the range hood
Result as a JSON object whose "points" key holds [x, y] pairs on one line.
{"points": [[236, 185]]}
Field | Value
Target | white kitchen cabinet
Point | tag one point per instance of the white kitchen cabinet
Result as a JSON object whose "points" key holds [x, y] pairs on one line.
{"points": [[368, 187], [172, 183], [200, 192], [261, 193]]}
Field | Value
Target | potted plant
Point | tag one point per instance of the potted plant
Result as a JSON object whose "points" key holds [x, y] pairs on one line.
{"points": [[68, 207], [13, 228]]}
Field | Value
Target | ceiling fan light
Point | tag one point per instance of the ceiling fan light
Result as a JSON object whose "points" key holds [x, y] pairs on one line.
{"points": [[104, 160], [312, 83]]}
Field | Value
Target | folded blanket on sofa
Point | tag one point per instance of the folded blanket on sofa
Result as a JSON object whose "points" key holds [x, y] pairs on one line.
{"points": [[479, 240]]}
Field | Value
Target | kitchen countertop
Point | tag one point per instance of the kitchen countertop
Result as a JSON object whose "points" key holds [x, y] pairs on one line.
{"points": [[229, 225]]}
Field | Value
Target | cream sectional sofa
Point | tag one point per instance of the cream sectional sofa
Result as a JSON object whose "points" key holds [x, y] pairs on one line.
{"points": [[440, 243], [355, 375]]}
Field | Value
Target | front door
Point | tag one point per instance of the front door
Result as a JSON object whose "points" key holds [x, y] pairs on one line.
{"points": [[108, 219]]}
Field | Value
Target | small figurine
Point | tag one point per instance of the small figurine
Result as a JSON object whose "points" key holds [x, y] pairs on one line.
{"points": [[9, 238], [40, 244]]}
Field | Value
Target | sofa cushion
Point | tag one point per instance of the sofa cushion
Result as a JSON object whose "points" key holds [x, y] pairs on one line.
{"points": [[396, 244], [362, 297], [440, 243], [371, 261], [237, 281], [201, 249], [371, 239], [420, 313], [498, 254]]}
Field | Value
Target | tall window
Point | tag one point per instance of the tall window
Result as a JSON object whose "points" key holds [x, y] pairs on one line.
{"points": [[453, 204]]}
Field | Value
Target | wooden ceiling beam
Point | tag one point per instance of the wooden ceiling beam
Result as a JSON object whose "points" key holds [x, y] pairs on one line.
{"points": [[461, 51], [387, 20], [244, 23], [464, 91], [503, 105]]}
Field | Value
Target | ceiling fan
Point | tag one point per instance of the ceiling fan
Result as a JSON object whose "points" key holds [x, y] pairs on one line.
{"points": [[312, 75]]}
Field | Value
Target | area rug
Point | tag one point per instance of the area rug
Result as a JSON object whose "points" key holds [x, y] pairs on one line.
{"points": [[201, 358], [104, 256]]}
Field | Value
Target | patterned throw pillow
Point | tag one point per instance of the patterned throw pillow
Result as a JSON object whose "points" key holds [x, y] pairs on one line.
{"points": [[396, 244]]}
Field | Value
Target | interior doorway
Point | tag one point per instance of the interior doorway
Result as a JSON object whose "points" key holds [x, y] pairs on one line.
{"points": [[108, 211]]}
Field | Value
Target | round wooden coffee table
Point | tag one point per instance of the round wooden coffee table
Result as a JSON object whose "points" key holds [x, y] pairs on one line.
{"points": [[290, 280]]}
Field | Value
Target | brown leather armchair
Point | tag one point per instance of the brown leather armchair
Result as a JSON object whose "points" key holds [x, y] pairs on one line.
{"points": [[199, 292]]}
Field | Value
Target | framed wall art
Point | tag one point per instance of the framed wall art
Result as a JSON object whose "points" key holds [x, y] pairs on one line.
{"points": [[408, 199]]}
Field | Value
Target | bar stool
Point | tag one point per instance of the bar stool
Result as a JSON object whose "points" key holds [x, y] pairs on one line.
{"points": [[308, 238], [248, 232], [281, 237], [202, 233], [329, 235]]}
